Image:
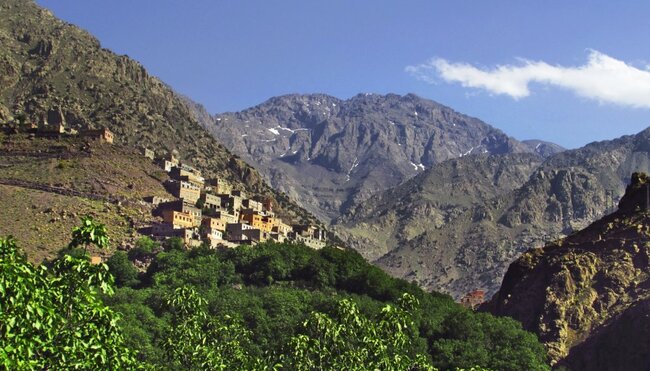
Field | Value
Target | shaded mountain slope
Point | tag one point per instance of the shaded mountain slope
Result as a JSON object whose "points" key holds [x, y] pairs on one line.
{"points": [[53, 70], [439, 228], [587, 295]]}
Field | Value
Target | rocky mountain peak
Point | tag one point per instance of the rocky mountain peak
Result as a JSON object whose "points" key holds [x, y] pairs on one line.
{"points": [[330, 153]]}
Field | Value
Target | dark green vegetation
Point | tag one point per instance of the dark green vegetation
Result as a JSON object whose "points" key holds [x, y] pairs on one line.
{"points": [[586, 296], [272, 289]]}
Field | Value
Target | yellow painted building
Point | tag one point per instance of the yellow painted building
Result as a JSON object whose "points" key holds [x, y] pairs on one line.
{"points": [[214, 223], [179, 219]]}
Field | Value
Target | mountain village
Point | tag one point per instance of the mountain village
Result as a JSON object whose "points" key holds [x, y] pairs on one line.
{"points": [[198, 210], [211, 211]]}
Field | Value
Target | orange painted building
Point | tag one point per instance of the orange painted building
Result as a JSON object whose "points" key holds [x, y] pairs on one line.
{"points": [[214, 223], [179, 219]]}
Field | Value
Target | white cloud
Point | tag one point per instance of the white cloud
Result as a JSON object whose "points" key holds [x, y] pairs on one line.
{"points": [[602, 78]]}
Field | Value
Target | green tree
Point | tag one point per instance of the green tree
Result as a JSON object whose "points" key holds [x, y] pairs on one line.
{"points": [[197, 341], [89, 233], [351, 341], [174, 243], [122, 269], [53, 318]]}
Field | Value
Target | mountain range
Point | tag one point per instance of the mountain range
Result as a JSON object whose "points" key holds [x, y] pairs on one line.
{"points": [[425, 192], [466, 224], [328, 153]]}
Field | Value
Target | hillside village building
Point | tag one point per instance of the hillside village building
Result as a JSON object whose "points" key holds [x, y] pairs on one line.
{"points": [[102, 135], [150, 154], [187, 191], [187, 174], [225, 218], [181, 206], [210, 201], [179, 219], [253, 205], [218, 186]]}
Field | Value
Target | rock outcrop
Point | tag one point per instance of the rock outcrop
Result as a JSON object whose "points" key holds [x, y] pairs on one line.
{"points": [[587, 296]]}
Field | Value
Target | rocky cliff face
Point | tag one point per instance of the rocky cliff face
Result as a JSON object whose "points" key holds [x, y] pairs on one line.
{"points": [[456, 227], [587, 296], [51, 69], [329, 153], [441, 228]]}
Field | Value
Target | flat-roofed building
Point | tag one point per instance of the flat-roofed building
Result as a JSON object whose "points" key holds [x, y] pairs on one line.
{"points": [[309, 231], [230, 202], [252, 204], [148, 153], [214, 223], [238, 193], [226, 217], [282, 228], [219, 186], [102, 135], [181, 174], [178, 219], [211, 201], [254, 219], [191, 169], [310, 242], [214, 236], [237, 231], [184, 190], [182, 206]]}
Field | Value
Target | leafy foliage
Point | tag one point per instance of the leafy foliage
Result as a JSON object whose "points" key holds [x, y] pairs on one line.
{"points": [[197, 341], [351, 341], [54, 318], [89, 233], [124, 272]]}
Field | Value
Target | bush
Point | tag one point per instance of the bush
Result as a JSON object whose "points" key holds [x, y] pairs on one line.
{"points": [[122, 269]]}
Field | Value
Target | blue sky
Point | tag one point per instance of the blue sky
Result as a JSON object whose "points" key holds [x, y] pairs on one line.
{"points": [[229, 55]]}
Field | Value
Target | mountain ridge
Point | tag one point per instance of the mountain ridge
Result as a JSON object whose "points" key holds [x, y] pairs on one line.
{"points": [[354, 147], [563, 194]]}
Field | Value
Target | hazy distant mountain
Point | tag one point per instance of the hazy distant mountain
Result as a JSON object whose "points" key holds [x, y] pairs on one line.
{"points": [[328, 153], [587, 296], [542, 148], [457, 227]]}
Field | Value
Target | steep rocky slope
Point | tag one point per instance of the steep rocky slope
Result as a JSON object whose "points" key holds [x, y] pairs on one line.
{"points": [[49, 68], [587, 296], [328, 153], [460, 243], [439, 228]]}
